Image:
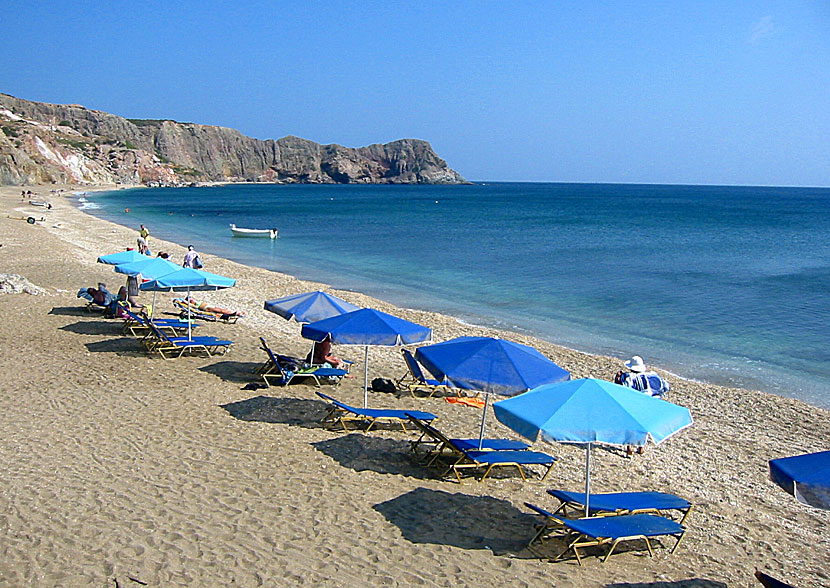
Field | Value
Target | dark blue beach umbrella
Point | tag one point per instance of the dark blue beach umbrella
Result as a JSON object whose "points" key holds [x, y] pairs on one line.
{"points": [[186, 279], [309, 307], [367, 327], [589, 412], [807, 477], [122, 257], [489, 365]]}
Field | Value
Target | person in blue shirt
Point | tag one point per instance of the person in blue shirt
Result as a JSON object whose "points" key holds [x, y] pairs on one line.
{"points": [[641, 379]]}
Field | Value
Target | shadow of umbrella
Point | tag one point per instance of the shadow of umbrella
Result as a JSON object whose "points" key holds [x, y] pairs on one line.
{"points": [[232, 371], [73, 311], [284, 411], [92, 328], [460, 520], [382, 455]]}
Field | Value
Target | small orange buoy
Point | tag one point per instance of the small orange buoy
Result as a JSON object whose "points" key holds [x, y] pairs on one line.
{"points": [[126, 210]]}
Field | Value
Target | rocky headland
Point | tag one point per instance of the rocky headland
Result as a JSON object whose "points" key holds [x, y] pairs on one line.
{"points": [[45, 143]]}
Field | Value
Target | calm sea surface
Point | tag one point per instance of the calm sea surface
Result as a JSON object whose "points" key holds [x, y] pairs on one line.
{"points": [[721, 284]]}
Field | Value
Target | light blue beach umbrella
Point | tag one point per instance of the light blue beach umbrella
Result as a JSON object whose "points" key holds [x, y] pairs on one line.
{"points": [[186, 279], [489, 365], [123, 257], [149, 269], [309, 307], [589, 412], [367, 327]]}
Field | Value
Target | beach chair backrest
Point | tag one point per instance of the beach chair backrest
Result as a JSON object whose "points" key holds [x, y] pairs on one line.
{"points": [[429, 430], [413, 365], [336, 403], [273, 357], [158, 332]]}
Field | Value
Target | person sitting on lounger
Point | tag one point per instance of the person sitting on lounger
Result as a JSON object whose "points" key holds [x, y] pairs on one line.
{"points": [[214, 309], [322, 354], [641, 379], [100, 295]]}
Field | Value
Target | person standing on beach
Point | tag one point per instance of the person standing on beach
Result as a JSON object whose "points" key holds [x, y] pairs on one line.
{"points": [[144, 232], [191, 258]]}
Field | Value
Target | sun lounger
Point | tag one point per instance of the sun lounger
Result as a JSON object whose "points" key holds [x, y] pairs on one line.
{"points": [[161, 343], [273, 371], [342, 413], [607, 504], [613, 530], [138, 325], [436, 443], [624, 503], [186, 309], [414, 378]]}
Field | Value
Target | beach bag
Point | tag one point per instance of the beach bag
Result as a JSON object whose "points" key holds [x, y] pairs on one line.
{"points": [[383, 385], [197, 262]]}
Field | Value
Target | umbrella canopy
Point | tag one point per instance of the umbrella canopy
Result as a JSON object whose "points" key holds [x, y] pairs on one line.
{"points": [[309, 307], [149, 269], [122, 257], [186, 279], [589, 411], [807, 477], [367, 327], [488, 364]]}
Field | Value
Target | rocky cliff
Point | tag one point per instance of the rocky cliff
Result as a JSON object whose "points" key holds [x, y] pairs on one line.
{"points": [[54, 143]]}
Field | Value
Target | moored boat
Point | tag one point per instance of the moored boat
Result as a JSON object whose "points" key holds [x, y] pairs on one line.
{"points": [[240, 232]]}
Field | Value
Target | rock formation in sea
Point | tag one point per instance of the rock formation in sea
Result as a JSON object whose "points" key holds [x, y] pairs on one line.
{"points": [[44, 143]]}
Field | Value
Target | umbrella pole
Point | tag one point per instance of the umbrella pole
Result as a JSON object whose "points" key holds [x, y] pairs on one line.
{"points": [[366, 377], [483, 420], [189, 323], [587, 477]]}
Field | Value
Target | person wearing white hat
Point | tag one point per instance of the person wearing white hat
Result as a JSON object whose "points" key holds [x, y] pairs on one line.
{"points": [[642, 379]]}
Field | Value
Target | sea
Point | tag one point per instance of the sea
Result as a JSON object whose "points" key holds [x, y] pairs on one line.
{"points": [[721, 284]]}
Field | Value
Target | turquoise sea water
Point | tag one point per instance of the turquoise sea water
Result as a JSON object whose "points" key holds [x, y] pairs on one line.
{"points": [[721, 284]]}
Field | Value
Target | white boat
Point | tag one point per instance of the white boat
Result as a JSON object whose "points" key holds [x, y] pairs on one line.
{"points": [[240, 232]]}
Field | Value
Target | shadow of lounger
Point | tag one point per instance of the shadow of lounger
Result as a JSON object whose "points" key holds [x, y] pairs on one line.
{"points": [[300, 412], [362, 453]]}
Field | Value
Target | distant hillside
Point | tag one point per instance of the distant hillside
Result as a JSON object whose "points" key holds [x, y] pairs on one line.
{"points": [[45, 143]]}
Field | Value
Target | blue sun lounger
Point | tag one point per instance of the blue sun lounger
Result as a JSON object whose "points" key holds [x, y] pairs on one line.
{"points": [[437, 442], [136, 323], [614, 530], [498, 459], [160, 342], [623, 503], [342, 413], [613, 503]]}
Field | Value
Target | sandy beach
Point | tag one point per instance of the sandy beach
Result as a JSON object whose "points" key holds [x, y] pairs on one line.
{"points": [[122, 469]]}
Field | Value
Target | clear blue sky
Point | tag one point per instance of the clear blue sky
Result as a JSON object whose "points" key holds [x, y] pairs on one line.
{"points": [[659, 92]]}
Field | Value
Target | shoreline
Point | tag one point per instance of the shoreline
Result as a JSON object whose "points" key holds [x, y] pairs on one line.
{"points": [[122, 466]]}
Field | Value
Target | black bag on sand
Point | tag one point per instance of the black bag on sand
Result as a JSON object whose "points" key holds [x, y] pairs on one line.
{"points": [[383, 385]]}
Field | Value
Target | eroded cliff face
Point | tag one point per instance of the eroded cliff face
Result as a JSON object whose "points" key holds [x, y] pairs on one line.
{"points": [[54, 143]]}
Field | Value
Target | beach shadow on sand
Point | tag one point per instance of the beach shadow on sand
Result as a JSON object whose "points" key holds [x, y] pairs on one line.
{"points": [[121, 346], [460, 520], [233, 371], [299, 412], [76, 311], [690, 583], [361, 452], [96, 327]]}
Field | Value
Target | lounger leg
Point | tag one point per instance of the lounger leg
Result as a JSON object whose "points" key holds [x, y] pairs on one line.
{"points": [[686, 514], [571, 547], [679, 539], [550, 467], [648, 546], [611, 550], [487, 473]]}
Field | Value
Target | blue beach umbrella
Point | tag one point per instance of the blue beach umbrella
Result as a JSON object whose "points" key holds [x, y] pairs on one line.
{"points": [[122, 257], [367, 327], [309, 307], [807, 477], [149, 269], [489, 365], [590, 411], [186, 279]]}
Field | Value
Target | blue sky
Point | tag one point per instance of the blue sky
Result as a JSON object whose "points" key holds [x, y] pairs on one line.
{"points": [[653, 92]]}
